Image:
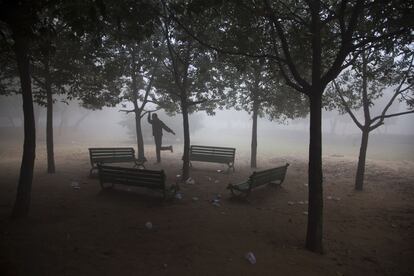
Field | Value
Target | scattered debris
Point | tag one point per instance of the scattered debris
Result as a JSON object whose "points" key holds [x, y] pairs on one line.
{"points": [[195, 198], [216, 200], [305, 213], [148, 225], [75, 185], [216, 181], [291, 203], [301, 202], [216, 203], [250, 257], [209, 178], [190, 181], [178, 176], [178, 195], [394, 225], [306, 184], [219, 171], [333, 198]]}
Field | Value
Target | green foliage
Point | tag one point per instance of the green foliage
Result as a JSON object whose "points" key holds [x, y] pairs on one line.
{"points": [[190, 76], [383, 71]]}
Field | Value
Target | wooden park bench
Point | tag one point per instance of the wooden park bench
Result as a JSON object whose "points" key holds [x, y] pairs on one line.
{"points": [[257, 179], [213, 154], [154, 180], [113, 155]]}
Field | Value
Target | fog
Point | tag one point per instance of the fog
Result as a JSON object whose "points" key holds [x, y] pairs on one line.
{"points": [[74, 124]]}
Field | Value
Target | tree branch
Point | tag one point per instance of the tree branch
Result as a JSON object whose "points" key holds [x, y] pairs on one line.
{"points": [[126, 110], [389, 116], [285, 47], [346, 106]]}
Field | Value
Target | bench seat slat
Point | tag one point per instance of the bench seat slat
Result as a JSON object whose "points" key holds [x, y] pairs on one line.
{"points": [[133, 177], [213, 154], [260, 178], [113, 155], [141, 177]]}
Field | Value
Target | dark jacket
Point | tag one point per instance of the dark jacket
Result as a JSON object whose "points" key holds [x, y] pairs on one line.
{"points": [[158, 126]]}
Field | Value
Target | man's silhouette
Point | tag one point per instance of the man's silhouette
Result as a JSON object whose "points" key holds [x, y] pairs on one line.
{"points": [[157, 126]]}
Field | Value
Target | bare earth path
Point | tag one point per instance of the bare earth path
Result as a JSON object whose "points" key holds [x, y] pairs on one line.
{"points": [[94, 232]]}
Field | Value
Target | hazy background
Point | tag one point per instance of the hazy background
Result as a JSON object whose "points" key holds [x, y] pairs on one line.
{"points": [[76, 125]]}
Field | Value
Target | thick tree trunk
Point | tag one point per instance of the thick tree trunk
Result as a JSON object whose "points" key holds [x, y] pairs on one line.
{"points": [[49, 122], [140, 139], [22, 203], [253, 156], [315, 207], [359, 180], [186, 152]]}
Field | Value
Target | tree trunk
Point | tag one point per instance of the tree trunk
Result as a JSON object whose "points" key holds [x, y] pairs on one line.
{"points": [[140, 139], [49, 122], [315, 207], [359, 180], [253, 157], [186, 152], [22, 203]]}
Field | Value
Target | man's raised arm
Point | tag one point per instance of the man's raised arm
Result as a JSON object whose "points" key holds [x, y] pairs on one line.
{"points": [[164, 126]]}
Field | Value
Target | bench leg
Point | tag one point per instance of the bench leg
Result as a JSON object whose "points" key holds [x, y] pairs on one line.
{"points": [[139, 165], [239, 194], [231, 166], [91, 170]]}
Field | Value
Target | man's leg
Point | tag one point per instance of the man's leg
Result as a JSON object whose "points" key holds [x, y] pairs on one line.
{"points": [[158, 141], [170, 148]]}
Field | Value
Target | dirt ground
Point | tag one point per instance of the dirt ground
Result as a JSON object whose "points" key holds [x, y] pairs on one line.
{"points": [[89, 231]]}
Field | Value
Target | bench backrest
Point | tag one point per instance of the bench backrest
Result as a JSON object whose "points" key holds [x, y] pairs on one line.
{"points": [[130, 176], [110, 154], [267, 176], [212, 154]]}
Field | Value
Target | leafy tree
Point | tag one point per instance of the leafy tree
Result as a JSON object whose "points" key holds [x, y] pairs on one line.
{"points": [[138, 63], [189, 80], [255, 89], [17, 20], [310, 43], [372, 75], [21, 27]]}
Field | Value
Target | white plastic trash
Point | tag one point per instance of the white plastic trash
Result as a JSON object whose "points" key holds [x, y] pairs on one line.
{"points": [[250, 257], [75, 185], [190, 181], [148, 225]]}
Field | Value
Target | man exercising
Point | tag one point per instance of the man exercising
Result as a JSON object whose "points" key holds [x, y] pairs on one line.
{"points": [[157, 126]]}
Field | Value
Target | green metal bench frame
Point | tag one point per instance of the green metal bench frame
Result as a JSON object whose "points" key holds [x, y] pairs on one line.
{"points": [[113, 155], [257, 179], [150, 179], [212, 154]]}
